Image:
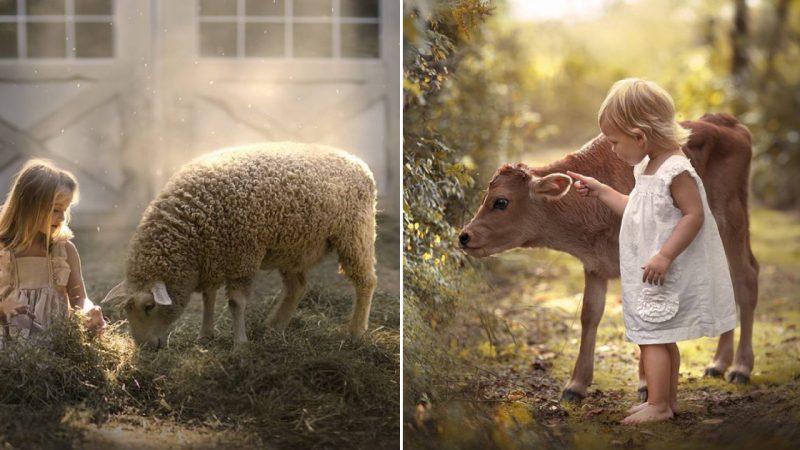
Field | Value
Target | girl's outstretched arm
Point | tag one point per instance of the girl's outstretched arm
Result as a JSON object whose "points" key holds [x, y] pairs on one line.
{"points": [[589, 187], [76, 290]]}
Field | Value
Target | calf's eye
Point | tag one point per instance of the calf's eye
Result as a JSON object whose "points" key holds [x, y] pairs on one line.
{"points": [[500, 203]]}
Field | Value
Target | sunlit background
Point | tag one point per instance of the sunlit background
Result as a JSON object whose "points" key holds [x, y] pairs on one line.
{"points": [[122, 93]]}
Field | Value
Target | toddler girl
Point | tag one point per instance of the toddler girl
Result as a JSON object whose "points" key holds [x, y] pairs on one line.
{"points": [[40, 270], [675, 279]]}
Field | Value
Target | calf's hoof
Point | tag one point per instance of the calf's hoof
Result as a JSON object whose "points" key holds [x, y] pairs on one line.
{"points": [[738, 378], [642, 394], [572, 396], [713, 373]]}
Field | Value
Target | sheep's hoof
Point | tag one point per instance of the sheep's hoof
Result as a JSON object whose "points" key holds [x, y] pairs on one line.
{"points": [[357, 335], [572, 396], [713, 373], [738, 378], [642, 393]]}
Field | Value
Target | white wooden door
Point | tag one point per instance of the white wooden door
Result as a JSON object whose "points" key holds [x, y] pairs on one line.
{"points": [[73, 89], [122, 92], [240, 71]]}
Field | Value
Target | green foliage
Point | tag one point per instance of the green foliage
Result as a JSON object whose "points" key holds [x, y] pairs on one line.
{"points": [[436, 273]]}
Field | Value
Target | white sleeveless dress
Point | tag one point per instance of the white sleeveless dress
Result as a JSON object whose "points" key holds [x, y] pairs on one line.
{"points": [[39, 282], [696, 298]]}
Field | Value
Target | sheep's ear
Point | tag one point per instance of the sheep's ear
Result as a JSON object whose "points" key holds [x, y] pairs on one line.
{"points": [[160, 294], [550, 187], [117, 292]]}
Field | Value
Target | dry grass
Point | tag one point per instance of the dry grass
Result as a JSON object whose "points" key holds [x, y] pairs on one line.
{"points": [[310, 387]]}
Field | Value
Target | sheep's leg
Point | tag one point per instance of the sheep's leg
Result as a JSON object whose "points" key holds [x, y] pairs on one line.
{"points": [[594, 302], [237, 300], [357, 260], [295, 284], [207, 327]]}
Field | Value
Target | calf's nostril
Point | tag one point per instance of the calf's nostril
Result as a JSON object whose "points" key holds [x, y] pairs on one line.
{"points": [[463, 239]]}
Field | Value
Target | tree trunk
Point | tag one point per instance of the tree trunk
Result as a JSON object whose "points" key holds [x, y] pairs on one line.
{"points": [[739, 59]]}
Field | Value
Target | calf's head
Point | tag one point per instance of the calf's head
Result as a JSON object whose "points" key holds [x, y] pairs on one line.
{"points": [[149, 309], [504, 219]]}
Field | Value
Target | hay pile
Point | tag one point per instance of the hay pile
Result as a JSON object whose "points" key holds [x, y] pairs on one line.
{"points": [[309, 387]]}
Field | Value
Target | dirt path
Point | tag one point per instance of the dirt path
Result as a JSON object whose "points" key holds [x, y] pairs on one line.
{"points": [[517, 345]]}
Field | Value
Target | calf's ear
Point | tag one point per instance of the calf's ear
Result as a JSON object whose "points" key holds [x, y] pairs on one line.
{"points": [[550, 187]]}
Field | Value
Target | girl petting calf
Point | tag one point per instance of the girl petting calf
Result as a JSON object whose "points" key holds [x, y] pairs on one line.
{"points": [[676, 284]]}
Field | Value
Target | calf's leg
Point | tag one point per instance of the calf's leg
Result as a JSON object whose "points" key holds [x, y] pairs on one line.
{"points": [[747, 297], [594, 302], [744, 275], [294, 284]]}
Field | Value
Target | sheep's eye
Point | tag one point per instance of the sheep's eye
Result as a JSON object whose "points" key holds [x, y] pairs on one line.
{"points": [[500, 203], [149, 307]]}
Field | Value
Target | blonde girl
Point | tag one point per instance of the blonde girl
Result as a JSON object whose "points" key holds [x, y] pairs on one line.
{"points": [[40, 269], [676, 283]]}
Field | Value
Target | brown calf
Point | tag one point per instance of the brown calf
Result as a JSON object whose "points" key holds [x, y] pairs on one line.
{"points": [[533, 207]]}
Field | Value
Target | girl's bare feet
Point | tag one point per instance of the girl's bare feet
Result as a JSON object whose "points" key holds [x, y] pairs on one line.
{"points": [[649, 413], [636, 408]]}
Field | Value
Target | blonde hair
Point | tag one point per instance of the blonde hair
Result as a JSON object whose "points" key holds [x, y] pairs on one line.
{"points": [[636, 103], [29, 205]]}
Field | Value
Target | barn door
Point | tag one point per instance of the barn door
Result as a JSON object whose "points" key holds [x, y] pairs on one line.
{"points": [[241, 71], [73, 89]]}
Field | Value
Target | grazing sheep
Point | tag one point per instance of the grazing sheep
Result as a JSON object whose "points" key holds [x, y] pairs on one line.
{"points": [[227, 214]]}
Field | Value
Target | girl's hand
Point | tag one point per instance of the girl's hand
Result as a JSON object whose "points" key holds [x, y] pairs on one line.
{"points": [[10, 308], [586, 186], [655, 271], [94, 320]]}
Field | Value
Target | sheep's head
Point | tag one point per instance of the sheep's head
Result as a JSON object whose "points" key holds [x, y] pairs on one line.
{"points": [[150, 312]]}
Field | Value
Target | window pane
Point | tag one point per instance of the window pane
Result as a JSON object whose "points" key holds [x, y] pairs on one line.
{"points": [[8, 7], [265, 8], [312, 8], [218, 39], [312, 40], [217, 7], [359, 8], [264, 40], [94, 40], [44, 7], [360, 40], [47, 40], [93, 7], [8, 40]]}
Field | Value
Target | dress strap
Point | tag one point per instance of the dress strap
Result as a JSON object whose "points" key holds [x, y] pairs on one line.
{"points": [[638, 169], [674, 166], [58, 265]]}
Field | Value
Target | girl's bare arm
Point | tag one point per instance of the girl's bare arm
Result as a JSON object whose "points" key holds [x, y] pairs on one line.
{"points": [[686, 194], [76, 290], [590, 187], [687, 198]]}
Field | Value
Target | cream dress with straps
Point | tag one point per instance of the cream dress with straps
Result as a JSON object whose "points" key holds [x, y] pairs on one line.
{"points": [[697, 296], [39, 282]]}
